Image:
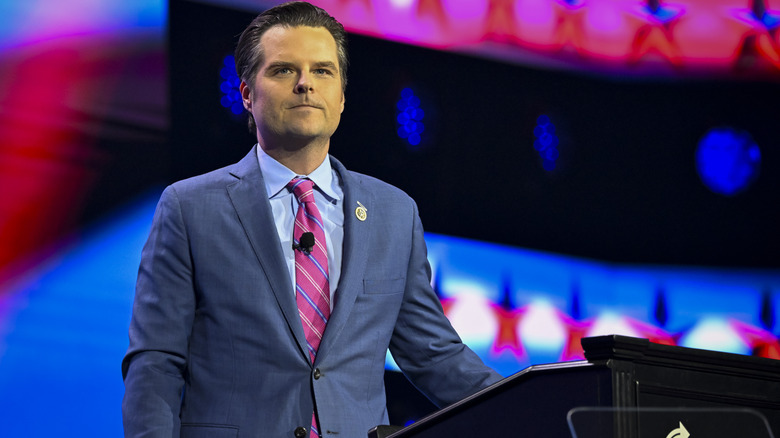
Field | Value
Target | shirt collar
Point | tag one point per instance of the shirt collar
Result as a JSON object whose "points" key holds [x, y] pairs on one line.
{"points": [[276, 176]]}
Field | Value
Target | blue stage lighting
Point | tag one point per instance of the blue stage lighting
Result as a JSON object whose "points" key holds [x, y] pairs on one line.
{"points": [[229, 86], [728, 160], [546, 142], [410, 116]]}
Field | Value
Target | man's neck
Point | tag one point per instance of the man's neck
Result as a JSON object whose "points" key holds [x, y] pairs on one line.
{"points": [[302, 160]]}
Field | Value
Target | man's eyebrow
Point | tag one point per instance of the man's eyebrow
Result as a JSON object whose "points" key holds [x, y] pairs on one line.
{"points": [[325, 64], [278, 64]]}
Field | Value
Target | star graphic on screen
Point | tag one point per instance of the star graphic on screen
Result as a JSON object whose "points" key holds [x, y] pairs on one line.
{"points": [[508, 318], [760, 40], [432, 8], [655, 33], [501, 23], [507, 339], [570, 24]]}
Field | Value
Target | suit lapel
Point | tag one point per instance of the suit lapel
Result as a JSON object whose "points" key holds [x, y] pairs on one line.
{"points": [[249, 198], [354, 256]]}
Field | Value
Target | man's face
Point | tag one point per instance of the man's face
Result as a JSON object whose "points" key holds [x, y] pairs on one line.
{"points": [[297, 93]]}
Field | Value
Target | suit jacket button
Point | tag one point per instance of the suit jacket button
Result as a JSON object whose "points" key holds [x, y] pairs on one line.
{"points": [[317, 374], [300, 432]]}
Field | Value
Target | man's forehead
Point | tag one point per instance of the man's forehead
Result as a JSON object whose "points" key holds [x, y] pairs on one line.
{"points": [[297, 40]]}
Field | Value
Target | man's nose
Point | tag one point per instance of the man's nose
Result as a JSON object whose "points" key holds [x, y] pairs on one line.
{"points": [[304, 84]]}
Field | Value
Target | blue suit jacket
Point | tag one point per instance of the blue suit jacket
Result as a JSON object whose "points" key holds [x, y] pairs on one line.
{"points": [[216, 344]]}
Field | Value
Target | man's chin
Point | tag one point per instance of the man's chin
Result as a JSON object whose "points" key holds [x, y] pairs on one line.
{"points": [[305, 132]]}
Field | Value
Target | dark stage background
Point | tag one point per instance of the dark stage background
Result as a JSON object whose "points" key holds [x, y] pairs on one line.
{"points": [[625, 187]]}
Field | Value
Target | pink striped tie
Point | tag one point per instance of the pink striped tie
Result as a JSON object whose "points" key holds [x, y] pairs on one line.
{"points": [[312, 290]]}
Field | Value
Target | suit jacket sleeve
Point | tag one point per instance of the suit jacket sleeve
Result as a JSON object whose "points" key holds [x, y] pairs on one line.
{"points": [[425, 345], [163, 311]]}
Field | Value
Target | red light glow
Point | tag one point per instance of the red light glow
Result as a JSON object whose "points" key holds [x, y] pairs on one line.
{"points": [[697, 36]]}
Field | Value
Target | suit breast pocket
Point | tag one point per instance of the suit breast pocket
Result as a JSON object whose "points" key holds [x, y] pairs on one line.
{"points": [[384, 287]]}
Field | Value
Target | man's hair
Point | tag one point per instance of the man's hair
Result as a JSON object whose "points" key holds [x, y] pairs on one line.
{"points": [[249, 52]]}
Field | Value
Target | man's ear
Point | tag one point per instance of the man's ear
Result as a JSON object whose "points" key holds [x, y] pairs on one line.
{"points": [[343, 100], [246, 95]]}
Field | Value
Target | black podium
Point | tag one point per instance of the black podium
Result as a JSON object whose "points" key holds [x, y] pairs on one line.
{"points": [[621, 375]]}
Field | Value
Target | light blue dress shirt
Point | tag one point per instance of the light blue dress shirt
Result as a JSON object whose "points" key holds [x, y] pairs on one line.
{"points": [[329, 197]]}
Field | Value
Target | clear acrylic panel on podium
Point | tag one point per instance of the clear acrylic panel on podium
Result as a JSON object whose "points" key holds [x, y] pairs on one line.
{"points": [[601, 422]]}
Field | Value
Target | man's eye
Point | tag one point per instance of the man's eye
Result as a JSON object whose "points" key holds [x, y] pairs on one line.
{"points": [[283, 70], [322, 71]]}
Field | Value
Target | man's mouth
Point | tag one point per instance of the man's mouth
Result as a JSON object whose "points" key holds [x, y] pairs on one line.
{"points": [[306, 105]]}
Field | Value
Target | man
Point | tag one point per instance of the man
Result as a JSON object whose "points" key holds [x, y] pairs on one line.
{"points": [[262, 310]]}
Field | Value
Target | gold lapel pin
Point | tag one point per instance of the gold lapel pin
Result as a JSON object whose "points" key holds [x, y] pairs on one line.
{"points": [[361, 212]]}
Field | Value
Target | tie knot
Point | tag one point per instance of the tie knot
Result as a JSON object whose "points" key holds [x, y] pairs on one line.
{"points": [[303, 189]]}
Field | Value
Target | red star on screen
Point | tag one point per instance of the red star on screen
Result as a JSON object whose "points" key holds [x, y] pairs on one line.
{"points": [[506, 338], [760, 40], [570, 24], [761, 342], [655, 32], [432, 8], [501, 24]]}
